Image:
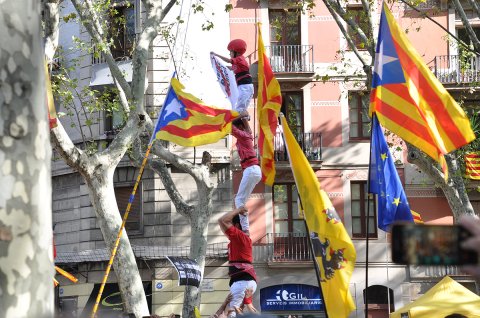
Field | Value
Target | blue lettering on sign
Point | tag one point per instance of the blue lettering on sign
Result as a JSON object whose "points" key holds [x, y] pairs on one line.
{"points": [[291, 297], [159, 285]]}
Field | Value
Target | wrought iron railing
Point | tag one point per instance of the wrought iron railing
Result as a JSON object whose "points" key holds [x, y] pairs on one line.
{"points": [[118, 54], [451, 69], [311, 144], [288, 247], [291, 58]]}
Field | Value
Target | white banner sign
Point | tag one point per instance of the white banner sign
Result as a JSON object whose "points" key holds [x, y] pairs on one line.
{"points": [[226, 79]]}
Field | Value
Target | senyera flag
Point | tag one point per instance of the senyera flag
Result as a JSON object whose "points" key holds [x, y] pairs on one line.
{"points": [[52, 113], [410, 101], [186, 121], [472, 165], [269, 102], [334, 251]]}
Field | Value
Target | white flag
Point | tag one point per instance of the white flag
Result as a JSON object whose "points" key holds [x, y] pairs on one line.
{"points": [[226, 79]]}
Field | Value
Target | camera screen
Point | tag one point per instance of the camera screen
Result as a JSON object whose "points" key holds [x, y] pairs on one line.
{"points": [[430, 245]]}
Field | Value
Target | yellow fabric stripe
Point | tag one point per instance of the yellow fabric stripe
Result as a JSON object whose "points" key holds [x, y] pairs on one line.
{"points": [[454, 110], [198, 119], [408, 136], [192, 141]]}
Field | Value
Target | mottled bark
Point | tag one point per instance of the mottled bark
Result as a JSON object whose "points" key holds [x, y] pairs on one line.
{"points": [[198, 214], [101, 190], [454, 189], [26, 265]]}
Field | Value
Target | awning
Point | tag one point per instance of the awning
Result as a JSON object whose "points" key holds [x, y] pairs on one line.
{"points": [[445, 298], [101, 73]]}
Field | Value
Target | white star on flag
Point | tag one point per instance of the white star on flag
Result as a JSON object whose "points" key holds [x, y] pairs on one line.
{"points": [[381, 60], [173, 107]]}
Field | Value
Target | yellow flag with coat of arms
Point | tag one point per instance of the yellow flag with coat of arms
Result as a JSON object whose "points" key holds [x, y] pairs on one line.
{"points": [[334, 250]]}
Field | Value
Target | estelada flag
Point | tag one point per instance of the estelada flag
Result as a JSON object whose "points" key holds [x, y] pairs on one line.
{"points": [[410, 101], [472, 165], [334, 251], [186, 121], [269, 101]]}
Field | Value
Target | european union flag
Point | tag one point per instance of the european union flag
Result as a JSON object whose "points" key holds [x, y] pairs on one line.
{"points": [[385, 182]]}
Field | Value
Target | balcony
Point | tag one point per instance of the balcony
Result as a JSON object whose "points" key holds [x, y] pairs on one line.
{"points": [[291, 58], [289, 62], [283, 248], [311, 144], [455, 69]]}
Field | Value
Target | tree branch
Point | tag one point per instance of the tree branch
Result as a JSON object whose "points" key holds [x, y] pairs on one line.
{"points": [[344, 32], [155, 15], [51, 31], [454, 189], [467, 25], [90, 20], [73, 156]]}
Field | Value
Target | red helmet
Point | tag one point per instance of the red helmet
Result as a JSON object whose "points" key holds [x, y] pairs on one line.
{"points": [[237, 45]]}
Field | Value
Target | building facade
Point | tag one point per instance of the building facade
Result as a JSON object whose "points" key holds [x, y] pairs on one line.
{"points": [[326, 105]]}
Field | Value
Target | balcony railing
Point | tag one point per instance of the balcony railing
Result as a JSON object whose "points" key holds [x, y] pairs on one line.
{"points": [[291, 58], [454, 69], [118, 54], [311, 144], [286, 247]]}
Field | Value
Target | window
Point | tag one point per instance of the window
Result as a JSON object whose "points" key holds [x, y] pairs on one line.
{"points": [[114, 118], [284, 27], [122, 30], [292, 108], [285, 209], [134, 221], [468, 60], [357, 14], [358, 103], [359, 194], [285, 49], [124, 179], [290, 240]]}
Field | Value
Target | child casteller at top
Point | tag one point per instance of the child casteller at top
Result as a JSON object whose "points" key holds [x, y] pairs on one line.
{"points": [[241, 69]]}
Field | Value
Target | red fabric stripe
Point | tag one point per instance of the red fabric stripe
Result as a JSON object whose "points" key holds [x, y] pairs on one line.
{"points": [[402, 119], [431, 97], [192, 131], [206, 109]]}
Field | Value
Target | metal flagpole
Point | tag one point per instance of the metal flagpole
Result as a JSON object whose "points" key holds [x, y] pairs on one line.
{"points": [[312, 251], [120, 232], [367, 221]]}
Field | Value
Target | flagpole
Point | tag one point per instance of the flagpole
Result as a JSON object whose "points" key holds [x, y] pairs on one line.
{"points": [[120, 232], [367, 221], [312, 251], [127, 212]]}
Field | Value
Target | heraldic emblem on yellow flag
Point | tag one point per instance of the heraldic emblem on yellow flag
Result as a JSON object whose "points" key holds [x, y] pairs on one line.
{"points": [[334, 250]]}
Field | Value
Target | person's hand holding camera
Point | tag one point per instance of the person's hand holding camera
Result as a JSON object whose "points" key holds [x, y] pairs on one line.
{"points": [[472, 224]]}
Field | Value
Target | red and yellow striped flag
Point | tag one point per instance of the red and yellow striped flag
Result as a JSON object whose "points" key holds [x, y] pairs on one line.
{"points": [[417, 218], [52, 113], [472, 165], [410, 101], [269, 103]]}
